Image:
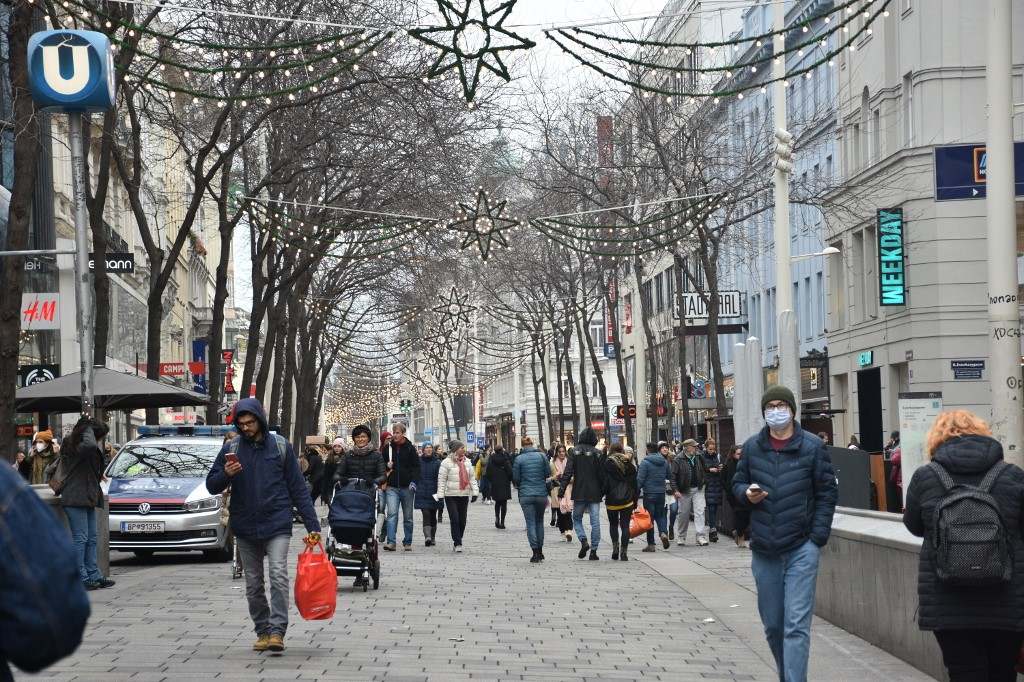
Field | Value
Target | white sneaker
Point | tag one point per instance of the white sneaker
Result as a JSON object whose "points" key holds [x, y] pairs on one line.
{"points": [[681, 543], [702, 542], [458, 549]]}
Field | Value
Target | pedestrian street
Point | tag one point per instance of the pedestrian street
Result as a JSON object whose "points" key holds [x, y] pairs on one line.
{"points": [[486, 614]]}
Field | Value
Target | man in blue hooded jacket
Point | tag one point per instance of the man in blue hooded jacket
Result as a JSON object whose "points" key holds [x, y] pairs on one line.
{"points": [[266, 483], [786, 477]]}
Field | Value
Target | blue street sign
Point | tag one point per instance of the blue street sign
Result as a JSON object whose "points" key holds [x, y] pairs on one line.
{"points": [[609, 350], [961, 171], [470, 438], [71, 70], [429, 431]]}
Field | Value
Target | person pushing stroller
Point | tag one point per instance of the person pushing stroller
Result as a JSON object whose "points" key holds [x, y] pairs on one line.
{"points": [[360, 470]]}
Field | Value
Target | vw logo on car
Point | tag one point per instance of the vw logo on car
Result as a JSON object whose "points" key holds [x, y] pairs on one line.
{"points": [[144, 508]]}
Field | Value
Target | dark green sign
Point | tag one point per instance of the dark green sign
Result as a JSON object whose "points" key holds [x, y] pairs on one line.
{"points": [[892, 280]]}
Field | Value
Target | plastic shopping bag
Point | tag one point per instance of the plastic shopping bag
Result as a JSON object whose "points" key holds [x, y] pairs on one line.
{"points": [[316, 585], [640, 523]]}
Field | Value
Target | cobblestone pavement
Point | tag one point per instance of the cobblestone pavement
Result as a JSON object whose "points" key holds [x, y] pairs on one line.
{"points": [[486, 614]]}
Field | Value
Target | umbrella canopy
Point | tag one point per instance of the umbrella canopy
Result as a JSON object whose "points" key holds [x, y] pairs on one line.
{"points": [[114, 391]]}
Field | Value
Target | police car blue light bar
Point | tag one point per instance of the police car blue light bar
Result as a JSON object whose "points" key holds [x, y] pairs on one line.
{"points": [[220, 431]]}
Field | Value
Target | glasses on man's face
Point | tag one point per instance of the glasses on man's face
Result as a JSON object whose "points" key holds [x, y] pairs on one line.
{"points": [[247, 424]]}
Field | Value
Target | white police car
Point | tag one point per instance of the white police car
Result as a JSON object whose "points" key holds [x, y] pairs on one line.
{"points": [[158, 496]]}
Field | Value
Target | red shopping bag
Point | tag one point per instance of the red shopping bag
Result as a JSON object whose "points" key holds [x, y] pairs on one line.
{"points": [[316, 585], [640, 523]]}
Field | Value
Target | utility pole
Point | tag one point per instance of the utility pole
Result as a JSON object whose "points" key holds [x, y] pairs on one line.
{"points": [[1003, 314], [788, 341]]}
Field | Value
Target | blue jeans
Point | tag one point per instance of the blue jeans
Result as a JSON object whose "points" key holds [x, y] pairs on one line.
{"points": [[594, 509], [83, 534], [393, 497], [269, 619], [655, 506], [785, 600], [533, 512]]}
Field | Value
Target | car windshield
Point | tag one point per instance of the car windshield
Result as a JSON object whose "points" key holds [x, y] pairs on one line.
{"points": [[173, 460]]}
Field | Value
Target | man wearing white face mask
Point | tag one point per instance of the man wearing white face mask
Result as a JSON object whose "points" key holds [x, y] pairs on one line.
{"points": [[786, 477]]}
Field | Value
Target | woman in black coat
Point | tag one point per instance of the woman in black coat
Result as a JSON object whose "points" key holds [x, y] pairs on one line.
{"points": [[713, 490], [499, 473], [979, 629], [740, 513], [81, 465]]}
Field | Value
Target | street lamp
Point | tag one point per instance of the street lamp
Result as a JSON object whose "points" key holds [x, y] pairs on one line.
{"points": [[827, 251]]}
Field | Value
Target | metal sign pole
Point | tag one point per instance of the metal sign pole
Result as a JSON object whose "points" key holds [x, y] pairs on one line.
{"points": [[84, 313]]}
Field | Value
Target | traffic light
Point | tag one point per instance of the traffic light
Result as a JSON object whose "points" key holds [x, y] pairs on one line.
{"points": [[405, 405], [783, 150]]}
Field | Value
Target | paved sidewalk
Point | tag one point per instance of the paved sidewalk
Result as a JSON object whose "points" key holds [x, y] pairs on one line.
{"points": [[485, 614]]}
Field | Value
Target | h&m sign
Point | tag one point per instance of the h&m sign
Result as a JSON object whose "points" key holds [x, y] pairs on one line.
{"points": [[892, 279]]}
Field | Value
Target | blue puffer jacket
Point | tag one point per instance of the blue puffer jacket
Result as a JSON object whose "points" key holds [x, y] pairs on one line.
{"points": [[427, 486], [530, 471], [650, 478], [801, 486], [264, 491]]}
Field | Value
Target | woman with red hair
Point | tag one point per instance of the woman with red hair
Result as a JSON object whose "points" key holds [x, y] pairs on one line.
{"points": [[979, 624]]}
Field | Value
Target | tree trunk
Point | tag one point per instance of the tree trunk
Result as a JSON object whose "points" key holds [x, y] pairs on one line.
{"points": [[599, 375], [96, 203], [561, 398], [710, 262], [215, 380], [620, 370], [567, 343], [652, 365], [269, 344], [536, 396], [584, 384], [545, 385], [277, 381], [26, 155], [288, 348], [684, 391], [154, 322]]}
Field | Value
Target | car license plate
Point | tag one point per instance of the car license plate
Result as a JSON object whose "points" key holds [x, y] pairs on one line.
{"points": [[142, 526]]}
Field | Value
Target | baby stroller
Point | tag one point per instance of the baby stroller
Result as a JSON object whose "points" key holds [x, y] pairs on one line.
{"points": [[352, 543]]}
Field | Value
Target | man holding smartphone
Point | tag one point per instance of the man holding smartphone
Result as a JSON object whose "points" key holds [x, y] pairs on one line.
{"points": [[786, 477], [266, 483]]}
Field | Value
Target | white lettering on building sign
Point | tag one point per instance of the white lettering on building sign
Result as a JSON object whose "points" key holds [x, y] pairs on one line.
{"points": [[729, 305]]}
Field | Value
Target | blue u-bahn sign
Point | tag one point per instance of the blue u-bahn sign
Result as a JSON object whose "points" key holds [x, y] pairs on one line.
{"points": [[961, 171], [71, 70]]}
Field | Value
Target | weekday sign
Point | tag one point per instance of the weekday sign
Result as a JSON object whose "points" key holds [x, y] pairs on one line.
{"points": [[892, 282]]}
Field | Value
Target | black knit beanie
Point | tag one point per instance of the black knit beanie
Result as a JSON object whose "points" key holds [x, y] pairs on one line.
{"points": [[777, 392]]}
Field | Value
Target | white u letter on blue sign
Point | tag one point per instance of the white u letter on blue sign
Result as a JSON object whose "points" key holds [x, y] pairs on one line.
{"points": [[79, 69]]}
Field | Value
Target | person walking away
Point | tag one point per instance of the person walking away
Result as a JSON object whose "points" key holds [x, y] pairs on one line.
{"points": [[457, 486], [978, 623], [334, 455], [786, 477], [498, 472], [81, 462], [585, 470], [479, 467], [315, 472], [41, 456], [531, 472], [620, 500], [690, 464], [429, 507], [740, 513], [45, 607], [670, 454], [650, 482], [712, 486], [403, 465], [266, 484], [441, 457]]}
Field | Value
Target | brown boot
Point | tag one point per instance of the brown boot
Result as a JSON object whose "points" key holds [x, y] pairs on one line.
{"points": [[262, 643], [275, 644]]}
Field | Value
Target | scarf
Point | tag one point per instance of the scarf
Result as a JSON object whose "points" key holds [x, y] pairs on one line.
{"points": [[463, 472], [362, 451], [620, 460]]}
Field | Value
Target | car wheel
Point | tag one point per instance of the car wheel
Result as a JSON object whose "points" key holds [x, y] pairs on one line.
{"points": [[143, 553], [226, 553]]}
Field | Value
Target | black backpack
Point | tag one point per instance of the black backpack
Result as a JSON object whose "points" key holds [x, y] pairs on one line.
{"points": [[971, 544]]}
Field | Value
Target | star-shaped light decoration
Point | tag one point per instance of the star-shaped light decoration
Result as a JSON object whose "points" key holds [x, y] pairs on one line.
{"points": [[483, 223], [471, 40], [454, 311]]}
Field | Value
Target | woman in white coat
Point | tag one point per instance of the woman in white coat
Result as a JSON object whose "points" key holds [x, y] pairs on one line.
{"points": [[457, 486]]}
